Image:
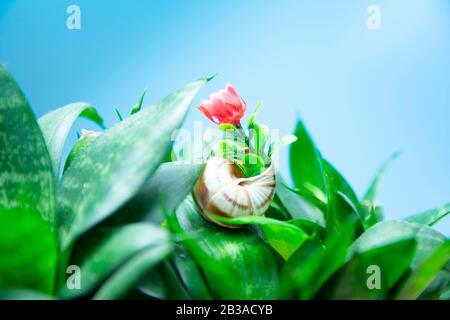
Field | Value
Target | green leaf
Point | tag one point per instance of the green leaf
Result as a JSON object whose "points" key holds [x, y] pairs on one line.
{"points": [[297, 206], [371, 274], [285, 141], [387, 232], [111, 169], [340, 183], [163, 283], [56, 125], [227, 126], [306, 165], [165, 190], [430, 217], [125, 279], [138, 107], [79, 145], [27, 182], [104, 250], [119, 115], [371, 212], [20, 294], [251, 120], [374, 186], [179, 279], [237, 263], [261, 135], [253, 165], [313, 264], [28, 252], [284, 237], [191, 276], [229, 149], [419, 280], [341, 209]]}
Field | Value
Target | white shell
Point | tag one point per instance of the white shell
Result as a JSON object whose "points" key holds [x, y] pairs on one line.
{"points": [[223, 190]]}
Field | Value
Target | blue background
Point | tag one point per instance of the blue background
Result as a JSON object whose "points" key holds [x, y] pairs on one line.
{"points": [[362, 93]]}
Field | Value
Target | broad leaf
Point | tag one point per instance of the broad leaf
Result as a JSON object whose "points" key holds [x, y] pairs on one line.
{"points": [[340, 183], [342, 203], [111, 169], [430, 217], [190, 274], [165, 190], [28, 252], [21, 294], [79, 145], [128, 275], [26, 176], [313, 264], [284, 237], [297, 206], [340, 212], [56, 125], [181, 278], [163, 283], [387, 232], [418, 281], [371, 274], [306, 164], [237, 263], [104, 250]]}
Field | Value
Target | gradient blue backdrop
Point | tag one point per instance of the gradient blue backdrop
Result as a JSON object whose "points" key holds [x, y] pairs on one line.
{"points": [[363, 94]]}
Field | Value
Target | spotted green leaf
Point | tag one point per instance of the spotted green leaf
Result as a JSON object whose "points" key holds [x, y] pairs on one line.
{"points": [[131, 272], [284, 237], [28, 252], [237, 264], [27, 182], [111, 169], [56, 125], [104, 250]]}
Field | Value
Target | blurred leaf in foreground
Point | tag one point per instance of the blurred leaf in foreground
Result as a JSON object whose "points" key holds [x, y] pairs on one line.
{"points": [[27, 182], [103, 251], [28, 251]]}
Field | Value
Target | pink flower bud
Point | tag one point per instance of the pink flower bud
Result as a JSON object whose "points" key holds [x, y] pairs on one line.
{"points": [[225, 106]]}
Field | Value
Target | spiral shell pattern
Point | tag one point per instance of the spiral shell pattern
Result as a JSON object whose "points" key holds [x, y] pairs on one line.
{"points": [[223, 190]]}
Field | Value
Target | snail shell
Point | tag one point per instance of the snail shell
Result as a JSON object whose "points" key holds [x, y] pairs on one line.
{"points": [[223, 190]]}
